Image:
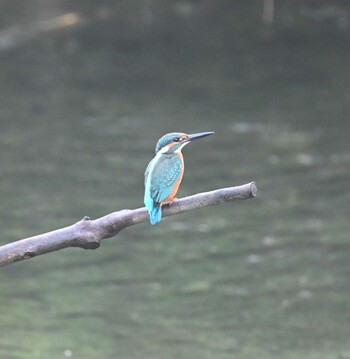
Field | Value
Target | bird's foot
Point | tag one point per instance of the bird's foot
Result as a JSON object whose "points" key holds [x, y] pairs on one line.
{"points": [[167, 204]]}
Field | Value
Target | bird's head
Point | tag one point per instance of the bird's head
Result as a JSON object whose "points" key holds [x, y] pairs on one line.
{"points": [[172, 142]]}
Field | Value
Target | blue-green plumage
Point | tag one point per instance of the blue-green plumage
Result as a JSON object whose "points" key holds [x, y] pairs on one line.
{"points": [[164, 173], [161, 175]]}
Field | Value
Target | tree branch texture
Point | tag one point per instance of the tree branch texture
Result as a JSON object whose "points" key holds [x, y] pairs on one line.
{"points": [[88, 233]]}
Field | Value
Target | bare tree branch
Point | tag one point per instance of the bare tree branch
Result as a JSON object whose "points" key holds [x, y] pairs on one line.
{"points": [[88, 233]]}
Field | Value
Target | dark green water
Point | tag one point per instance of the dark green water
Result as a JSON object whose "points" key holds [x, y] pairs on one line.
{"points": [[81, 108]]}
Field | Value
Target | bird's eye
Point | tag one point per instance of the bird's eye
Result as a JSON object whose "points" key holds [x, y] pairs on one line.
{"points": [[176, 139]]}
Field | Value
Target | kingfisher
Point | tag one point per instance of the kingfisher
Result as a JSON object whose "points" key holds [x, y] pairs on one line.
{"points": [[164, 173]]}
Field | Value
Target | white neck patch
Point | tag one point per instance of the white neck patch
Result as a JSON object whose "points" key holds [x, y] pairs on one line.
{"points": [[164, 149], [181, 147]]}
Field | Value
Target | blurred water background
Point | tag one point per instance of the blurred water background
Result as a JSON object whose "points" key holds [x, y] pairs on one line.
{"points": [[87, 88]]}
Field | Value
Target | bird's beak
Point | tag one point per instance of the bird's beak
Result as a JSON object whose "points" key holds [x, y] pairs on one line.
{"points": [[195, 136]]}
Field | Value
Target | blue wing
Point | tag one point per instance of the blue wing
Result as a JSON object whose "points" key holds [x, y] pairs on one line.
{"points": [[160, 177], [164, 176]]}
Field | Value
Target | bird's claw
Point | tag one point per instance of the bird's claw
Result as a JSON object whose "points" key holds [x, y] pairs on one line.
{"points": [[167, 204]]}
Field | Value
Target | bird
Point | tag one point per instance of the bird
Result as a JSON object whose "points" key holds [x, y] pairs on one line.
{"points": [[164, 173]]}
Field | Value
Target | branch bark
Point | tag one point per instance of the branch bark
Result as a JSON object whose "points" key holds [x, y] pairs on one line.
{"points": [[88, 233]]}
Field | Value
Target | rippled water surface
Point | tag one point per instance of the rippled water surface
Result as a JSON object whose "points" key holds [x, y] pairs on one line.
{"points": [[86, 91]]}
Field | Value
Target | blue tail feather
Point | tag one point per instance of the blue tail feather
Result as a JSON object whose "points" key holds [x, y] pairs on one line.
{"points": [[154, 209], [155, 215]]}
